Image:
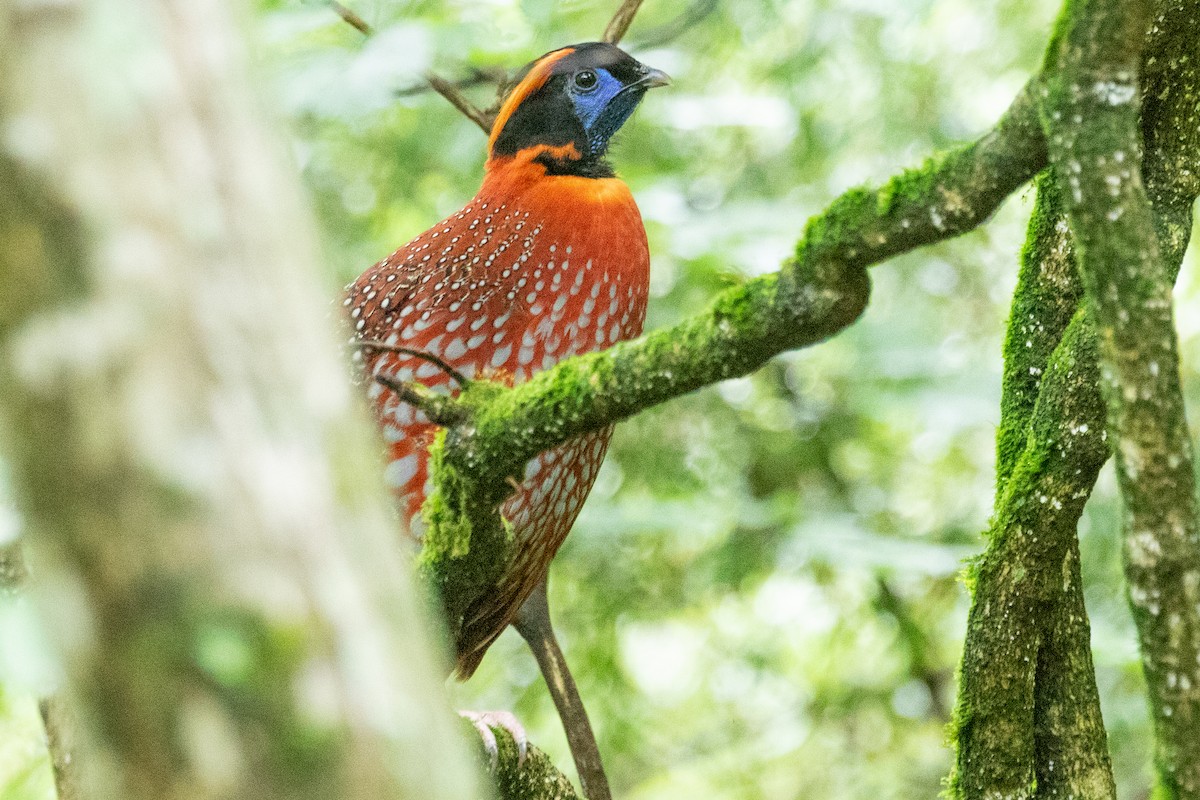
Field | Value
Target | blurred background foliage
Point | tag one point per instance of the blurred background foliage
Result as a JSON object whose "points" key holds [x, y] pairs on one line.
{"points": [[761, 598]]}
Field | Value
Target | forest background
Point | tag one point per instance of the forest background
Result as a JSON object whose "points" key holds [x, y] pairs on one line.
{"points": [[762, 596]]}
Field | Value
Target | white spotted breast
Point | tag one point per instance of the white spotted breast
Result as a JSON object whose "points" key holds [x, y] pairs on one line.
{"points": [[501, 290]]}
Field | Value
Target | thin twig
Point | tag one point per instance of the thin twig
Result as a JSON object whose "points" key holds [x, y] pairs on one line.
{"points": [[494, 76], [457, 99], [445, 88], [619, 25], [462, 380], [670, 31], [59, 726], [441, 409], [349, 16]]}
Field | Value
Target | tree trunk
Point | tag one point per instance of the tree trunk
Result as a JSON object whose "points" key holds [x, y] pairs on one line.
{"points": [[213, 547]]}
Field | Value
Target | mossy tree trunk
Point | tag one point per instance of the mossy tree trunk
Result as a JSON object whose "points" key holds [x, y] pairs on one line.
{"points": [[1129, 255]]}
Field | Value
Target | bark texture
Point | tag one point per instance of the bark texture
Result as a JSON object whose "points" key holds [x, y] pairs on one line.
{"points": [[1056, 745], [1095, 129]]}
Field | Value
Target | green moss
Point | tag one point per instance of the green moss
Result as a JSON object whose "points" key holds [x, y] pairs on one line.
{"points": [[1046, 296], [1162, 791], [956, 731], [841, 223], [1018, 580], [448, 528], [969, 574], [557, 394], [740, 307], [912, 186], [1061, 25], [535, 779], [1029, 467], [466, 542]]}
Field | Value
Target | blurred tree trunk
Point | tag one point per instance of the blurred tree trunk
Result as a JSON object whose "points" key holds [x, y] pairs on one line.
{"points": [[213, 550]]}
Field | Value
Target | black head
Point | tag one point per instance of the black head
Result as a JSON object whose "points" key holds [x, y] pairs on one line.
{"points": [[567, 105]]}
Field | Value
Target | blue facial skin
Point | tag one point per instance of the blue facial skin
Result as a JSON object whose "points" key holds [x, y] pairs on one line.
{"points": [[603, 108]]}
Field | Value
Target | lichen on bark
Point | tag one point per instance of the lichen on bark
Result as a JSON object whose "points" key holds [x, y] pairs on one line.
{"points": [[1064, 753]]}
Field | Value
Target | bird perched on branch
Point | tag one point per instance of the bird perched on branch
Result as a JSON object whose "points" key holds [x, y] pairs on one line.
{"points": [[547, 261]]}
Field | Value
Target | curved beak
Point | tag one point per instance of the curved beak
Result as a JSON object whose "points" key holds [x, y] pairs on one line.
{"points": [[652, 78]]}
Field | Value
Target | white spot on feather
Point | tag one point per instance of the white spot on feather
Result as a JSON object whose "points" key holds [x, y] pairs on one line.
{"points": [[401, 471], [500, 357]]}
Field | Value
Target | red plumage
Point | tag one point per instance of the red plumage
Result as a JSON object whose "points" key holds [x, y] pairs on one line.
{"points": [[536, 268]]}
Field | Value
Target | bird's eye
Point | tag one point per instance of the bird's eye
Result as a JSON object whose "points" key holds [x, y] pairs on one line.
{"points": [[585, 80]]}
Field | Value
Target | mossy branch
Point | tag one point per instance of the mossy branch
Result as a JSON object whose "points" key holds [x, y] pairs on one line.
{"points": [[1044, 301], [818, 292], [1014, 582], [1170, 639], [1092, 116], [534, 778], [1070, 744]]}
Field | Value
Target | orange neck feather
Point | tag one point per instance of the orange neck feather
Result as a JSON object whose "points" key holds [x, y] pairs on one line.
{"points": [[520, 178]]}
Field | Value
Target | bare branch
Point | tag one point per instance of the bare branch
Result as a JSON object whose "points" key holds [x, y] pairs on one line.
{"points": [[457, 99], [670, 31], [480, 76], [533, 623], [441, 409], [445, 88], [619, 24], [455, 375], [352, 18]]}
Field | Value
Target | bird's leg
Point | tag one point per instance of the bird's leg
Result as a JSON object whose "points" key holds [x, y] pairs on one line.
{"points": [[533, 623]]}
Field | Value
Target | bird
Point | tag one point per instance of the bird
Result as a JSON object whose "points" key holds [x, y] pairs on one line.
{"points": [[549, 259]]}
